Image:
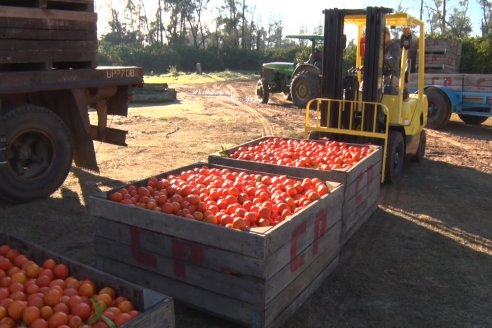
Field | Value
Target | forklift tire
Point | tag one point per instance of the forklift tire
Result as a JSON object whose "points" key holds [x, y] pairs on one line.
{"points": [[314, 135], [420, 154], [395, 157], [38, 154], [472, 120], [262, 91], [305, 86], [439, 109]]}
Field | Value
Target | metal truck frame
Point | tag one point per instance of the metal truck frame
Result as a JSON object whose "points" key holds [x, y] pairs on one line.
{"points": [[49, 81], [44, 124]]}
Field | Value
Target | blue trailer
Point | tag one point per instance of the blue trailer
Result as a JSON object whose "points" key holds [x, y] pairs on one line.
{"points": [[468, 95], [448, 90]]}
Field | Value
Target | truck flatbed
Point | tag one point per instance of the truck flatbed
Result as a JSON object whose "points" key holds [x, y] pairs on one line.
{"points": [[34, 81]]}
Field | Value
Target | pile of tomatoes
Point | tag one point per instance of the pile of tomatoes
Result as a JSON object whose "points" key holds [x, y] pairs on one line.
{"points": [[321, 154], [231, 198], [47, 296]]}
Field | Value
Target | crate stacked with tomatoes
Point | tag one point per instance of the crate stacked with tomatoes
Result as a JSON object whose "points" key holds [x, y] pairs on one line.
{"points": [[39, 289], [244, 245], [357, 167]]}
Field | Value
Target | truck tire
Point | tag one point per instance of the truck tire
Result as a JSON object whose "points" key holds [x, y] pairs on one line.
{"points": [[439, 109], [38, 154], [305, 86], [420, 154], [472, 120], [262, 91], [395, 157]]}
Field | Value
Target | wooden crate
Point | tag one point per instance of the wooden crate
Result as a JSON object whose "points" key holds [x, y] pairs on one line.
{"points": [[37, 39], [457, 82], [72, 5], [256, 278], [477, 82], [435, 59], [157, 309], [362, 183], [442, 46], [451, 81], [442, 56]]}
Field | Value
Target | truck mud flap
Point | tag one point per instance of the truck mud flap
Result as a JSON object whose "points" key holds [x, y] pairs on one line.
{"points": [[111, 135], [3, 141], [3, 149]]}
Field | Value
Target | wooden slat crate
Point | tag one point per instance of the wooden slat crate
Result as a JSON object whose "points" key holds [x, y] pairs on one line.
{"points": [[452, 81], [72, 5], [449, 61], [442, 56], [433, 59], [477, 82], [441, 69], [362, 183], [157, 310], [442, 46], [256, 278], [458, 82], [33, 38]]}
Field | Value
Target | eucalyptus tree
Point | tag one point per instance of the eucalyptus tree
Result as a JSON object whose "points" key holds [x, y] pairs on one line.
{"points": [[486, 22], [459, 23], [199, 33], [229, 19]]}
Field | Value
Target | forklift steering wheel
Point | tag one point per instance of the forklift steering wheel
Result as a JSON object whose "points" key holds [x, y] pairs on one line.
{"points": [[387, 69]]}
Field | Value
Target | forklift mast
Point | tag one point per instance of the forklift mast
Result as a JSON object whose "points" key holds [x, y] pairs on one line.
{"points": [[373, 60], [334, 43]]}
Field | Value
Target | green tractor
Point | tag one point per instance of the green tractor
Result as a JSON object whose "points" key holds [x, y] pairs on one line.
{"points": [[300, 82]]}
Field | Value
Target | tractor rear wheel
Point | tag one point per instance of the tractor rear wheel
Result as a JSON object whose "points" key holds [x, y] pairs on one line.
{"points": [[262, 91], [395, 157], [439, 109], [472, 120], [38, 154], [305, 86], [419, 156]]}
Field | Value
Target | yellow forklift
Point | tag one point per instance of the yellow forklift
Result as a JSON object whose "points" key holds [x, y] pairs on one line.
{"points": [[371, 104]]}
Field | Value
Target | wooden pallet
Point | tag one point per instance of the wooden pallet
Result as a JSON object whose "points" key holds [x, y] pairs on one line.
{"points": [[362, 181], [33, 38], [157, 309], [257, 278], [71, 5]]}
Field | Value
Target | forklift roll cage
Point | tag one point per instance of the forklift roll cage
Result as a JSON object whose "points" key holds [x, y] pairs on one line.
{"points": [[369, 113]]}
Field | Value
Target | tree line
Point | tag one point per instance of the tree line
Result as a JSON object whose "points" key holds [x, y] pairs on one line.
{"points": [[178, 35]]}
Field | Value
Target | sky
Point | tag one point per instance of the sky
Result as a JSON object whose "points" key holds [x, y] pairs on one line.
{"points": [[296, 13]]}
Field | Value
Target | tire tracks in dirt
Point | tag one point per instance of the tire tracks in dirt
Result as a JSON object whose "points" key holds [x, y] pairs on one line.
{"points": [[464, 151], [267, 128]]}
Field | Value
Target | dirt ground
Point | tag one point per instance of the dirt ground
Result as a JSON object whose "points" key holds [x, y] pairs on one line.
{"points": [[423, 259]]}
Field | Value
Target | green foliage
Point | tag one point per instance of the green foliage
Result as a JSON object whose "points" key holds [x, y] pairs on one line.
{"points": [[302, 54], [152, 58], [290, 53], [235, 43], [349, 56], [173, 71], [476, 56], [189, 56], [240, 59]]}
